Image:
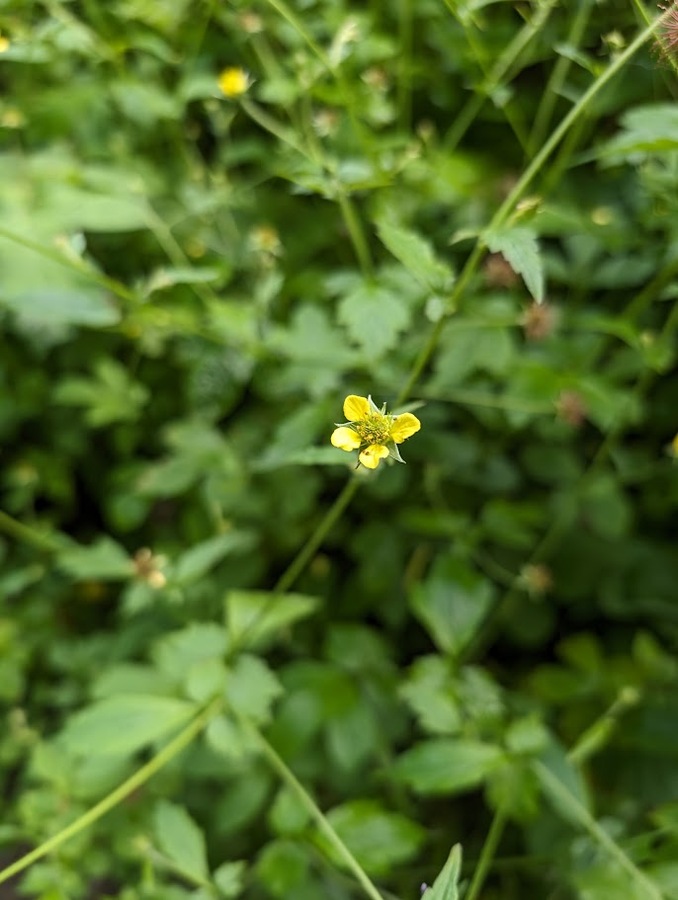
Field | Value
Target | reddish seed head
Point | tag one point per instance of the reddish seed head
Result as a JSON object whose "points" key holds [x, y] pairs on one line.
{"points": [[668, 34], [570, 408]]}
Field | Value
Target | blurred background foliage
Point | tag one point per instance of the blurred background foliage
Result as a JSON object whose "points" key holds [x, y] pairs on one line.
{"points": [[190, 284]]}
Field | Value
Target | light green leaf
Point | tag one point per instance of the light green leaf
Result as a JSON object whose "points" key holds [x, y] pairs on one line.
{"points": [[229, 878], [181, 840], [165, 278], [104, 560], [288, 815], [447, 765], [428, 691], [176, 653], [452, 603], [446, 885], [379, 839], [197, 562], [205, 679], [251, 688], [124, 724], [62, 306], [92, 211], [374, 317], [227, 738], [256, 618], [520, 249], [416, 255], [652, 128], [132, 678]]}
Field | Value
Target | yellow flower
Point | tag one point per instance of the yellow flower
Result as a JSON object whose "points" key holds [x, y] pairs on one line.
{"points": [[372, 431], [4, 43], [233, 82]]}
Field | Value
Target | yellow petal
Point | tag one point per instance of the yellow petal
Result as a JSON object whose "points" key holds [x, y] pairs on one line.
{"points": [[404, 426], [356, 408], [345, 438], [371, 455]]}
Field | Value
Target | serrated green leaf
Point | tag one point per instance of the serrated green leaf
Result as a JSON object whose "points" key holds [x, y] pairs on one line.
{"points": [[447, 765], [124, 724], [520, 249], [379, 839], [256, 618], [374, 317], [416, 254], [652, 128], [251, 688], [63, 306], [428, 691], [165, 278], [198, 561], [175, 653], [111, 395], [181, 840], [104, 560]]}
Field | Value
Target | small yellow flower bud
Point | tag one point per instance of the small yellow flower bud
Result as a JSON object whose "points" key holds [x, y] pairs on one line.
{"points": [[233, 82]]}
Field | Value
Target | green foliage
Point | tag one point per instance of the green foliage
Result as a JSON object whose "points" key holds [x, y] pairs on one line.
{"points": [[231, 665]]}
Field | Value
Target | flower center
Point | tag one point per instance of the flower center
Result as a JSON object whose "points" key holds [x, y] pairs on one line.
{"points": [[375, 429]]}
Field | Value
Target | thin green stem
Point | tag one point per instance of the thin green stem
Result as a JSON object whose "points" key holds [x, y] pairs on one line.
{"points": [[574, 114], [508, 206], [558, 75], [427, 350], [405, 64], [135, 781], [564, 799], [356, 232], [283, 10], [497, 76], [268, 123], [335, 71], [25, 534], [599, 733], [487, 854], [304, 556], [289, 778]]}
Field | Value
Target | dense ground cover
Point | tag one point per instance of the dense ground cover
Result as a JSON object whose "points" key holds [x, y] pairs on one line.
{"points": [[232, 663]]}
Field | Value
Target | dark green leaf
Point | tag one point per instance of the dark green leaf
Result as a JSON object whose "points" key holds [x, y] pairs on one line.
{"points": [[447, 765]]}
